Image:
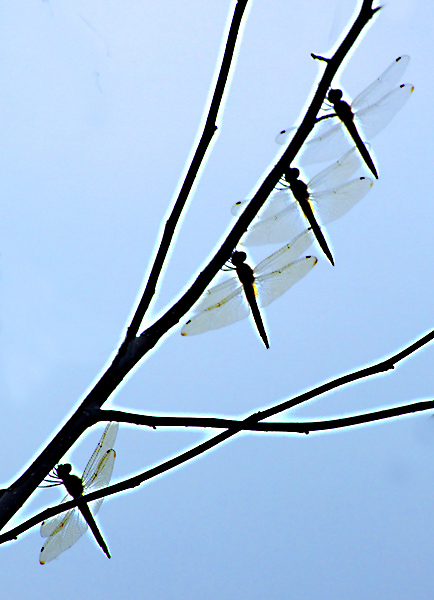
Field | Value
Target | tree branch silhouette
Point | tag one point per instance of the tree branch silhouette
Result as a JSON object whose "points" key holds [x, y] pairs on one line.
{"points": [[134, 347], [209, 130], [15, 496], [251, 421], [305, 427]]}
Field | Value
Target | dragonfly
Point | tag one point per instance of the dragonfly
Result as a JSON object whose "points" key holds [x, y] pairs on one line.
{"points": [[328, 198], [65, 529], [370, 111], [235, 298]]}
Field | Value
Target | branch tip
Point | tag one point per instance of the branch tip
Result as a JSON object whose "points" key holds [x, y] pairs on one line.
{"points": [[318, 57]]}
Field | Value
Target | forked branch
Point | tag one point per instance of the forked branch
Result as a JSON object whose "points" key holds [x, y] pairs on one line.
{"points": [[250, 424]]}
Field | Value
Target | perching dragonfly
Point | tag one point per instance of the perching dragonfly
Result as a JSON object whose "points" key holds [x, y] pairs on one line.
{"points": [[233, 300], [64, 530], [328, 199], [371, 110]]}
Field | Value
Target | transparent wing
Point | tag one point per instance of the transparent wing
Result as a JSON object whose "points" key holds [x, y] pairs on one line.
{"points": [[106, 443], [276, 202], [48, 526], [68, 531], [285, 255], [383, 85], [333, 204], [337, 173], [280, 228], [284, 136], [239, 207], [375, 117], [101, 478], [225, 312], [331, 141], [217, 294], [273, 285]]}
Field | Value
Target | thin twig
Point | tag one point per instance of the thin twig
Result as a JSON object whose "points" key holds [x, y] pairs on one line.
{"points": [[209, 130], [305, 427], [381, 367]]}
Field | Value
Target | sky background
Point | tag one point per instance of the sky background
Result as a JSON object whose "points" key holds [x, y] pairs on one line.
{"points": [[100, 106]]}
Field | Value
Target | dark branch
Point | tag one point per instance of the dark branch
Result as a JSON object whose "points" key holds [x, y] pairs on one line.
{"points": [[209, 130], [268, 427], [87, 413], [381, 367]]}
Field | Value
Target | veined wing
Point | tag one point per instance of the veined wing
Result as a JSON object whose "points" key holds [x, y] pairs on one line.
{"points": [[334, 204], [338, 173], [230, 309], [217, 294], [49, 525], [105, 443], [276, 202], [68, 530], [286, 255], [272, 285], [383, 84], [376, 117], [277, 229], [100, 478]]}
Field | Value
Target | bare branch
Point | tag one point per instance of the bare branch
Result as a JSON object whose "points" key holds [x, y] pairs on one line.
{"points": [[15, 496], [209, 130], [305, 427], [381, 367]]}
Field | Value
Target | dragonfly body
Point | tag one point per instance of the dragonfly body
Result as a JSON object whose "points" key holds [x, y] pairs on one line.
{"points": [[74, 486], [301, 194], [327, 197], [372, 109], [346, 115], [239, 296], [247, 279], [63, 530]]}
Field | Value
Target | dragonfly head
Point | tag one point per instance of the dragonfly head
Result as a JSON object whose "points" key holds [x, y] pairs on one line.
{"points": [[238, 258], [63, 470], [334, 95], [291, 174]]}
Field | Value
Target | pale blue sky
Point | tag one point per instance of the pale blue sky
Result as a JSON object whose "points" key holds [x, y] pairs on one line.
{"points": [[100, 106]]}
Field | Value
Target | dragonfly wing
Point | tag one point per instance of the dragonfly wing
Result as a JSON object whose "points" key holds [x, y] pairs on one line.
{"points": [[106, 442], [333, 204], [68, 531], [272, 285], [337, 173], [331, 141], [285, 255], [276, 202], [374, 118], [280, 228], [48, 526], [229, 310], [100, 478], [216, 294], [284, 136], [383, 85], [239, 207]]}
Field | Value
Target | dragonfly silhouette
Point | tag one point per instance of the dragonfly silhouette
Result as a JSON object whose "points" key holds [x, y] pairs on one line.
{"points": [[233, 300], [325, 197], [65, 529], [371, 110]]}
